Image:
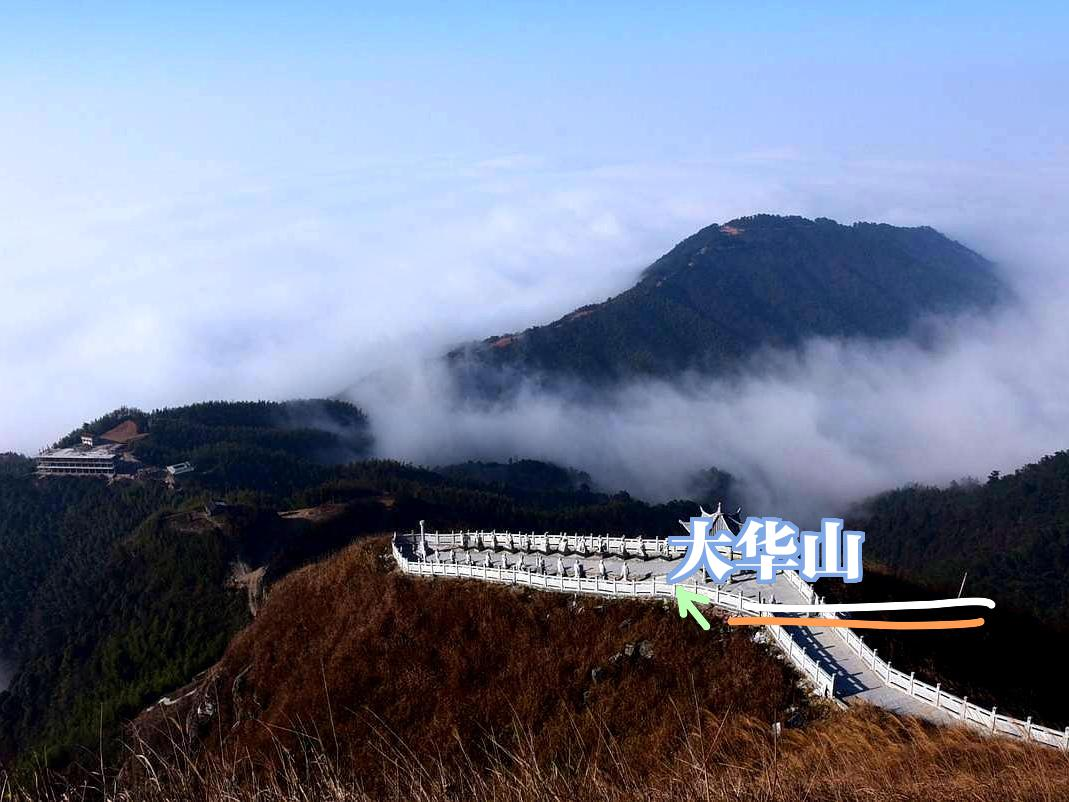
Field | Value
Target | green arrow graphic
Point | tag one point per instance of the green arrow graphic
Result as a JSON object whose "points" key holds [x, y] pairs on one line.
{"points": [[687, 601]]}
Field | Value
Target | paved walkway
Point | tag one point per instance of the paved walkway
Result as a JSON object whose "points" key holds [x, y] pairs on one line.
{"points": [[855, 681]]}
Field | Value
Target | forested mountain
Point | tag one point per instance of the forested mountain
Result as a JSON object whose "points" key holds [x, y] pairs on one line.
{"points": [[1008, 538], [728, 290], [1010, 533], [249, 444], [109, 596], [114, 594]]}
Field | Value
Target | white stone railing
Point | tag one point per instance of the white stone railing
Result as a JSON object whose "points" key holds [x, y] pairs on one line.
{"points": [[824, 681], [989, 720], [657, 587], [549, 542]]}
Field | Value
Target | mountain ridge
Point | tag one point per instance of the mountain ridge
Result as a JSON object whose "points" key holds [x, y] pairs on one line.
{"points": [[732, 288]]}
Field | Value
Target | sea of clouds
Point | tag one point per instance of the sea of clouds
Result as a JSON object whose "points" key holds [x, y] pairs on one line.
{"points": [[308, 285]]}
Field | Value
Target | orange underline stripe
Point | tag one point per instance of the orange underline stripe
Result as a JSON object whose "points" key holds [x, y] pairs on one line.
{"points": [[855, 623]]}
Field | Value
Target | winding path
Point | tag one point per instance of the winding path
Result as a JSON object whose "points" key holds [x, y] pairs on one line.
{"points": [[838, 663]]}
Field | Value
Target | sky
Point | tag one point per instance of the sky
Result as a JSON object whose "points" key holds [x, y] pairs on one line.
{"points": [[270, 200]]}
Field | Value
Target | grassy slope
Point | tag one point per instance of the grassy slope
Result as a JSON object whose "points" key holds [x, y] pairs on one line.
{"points": [[356, 682], [446, 663]]}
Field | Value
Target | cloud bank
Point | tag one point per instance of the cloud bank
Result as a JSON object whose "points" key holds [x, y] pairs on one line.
{"points": [[809, 433], [297, 287]]}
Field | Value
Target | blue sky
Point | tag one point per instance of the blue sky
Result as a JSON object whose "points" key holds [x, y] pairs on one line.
{"points": [[271, 200], [255, 87]]}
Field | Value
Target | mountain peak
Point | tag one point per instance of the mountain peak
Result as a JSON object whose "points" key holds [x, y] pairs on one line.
{"points": [[774, 281]]}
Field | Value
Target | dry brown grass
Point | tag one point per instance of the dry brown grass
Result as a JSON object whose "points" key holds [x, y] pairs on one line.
{"points": [[855, 756], [446, 663], [357, 683]]}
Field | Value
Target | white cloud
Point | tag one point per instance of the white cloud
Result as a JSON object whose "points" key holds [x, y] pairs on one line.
{"points": [[806, 433], [273, 288]]}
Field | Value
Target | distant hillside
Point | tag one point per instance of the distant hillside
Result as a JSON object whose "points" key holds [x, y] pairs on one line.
{"points": [[522, 474], [273, 446], [731, 289], [112, 595], [1011, 533], [1008, 538]]}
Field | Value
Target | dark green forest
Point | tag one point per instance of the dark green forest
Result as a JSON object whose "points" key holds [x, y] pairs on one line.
{"points": [[267, 446], [104, 603], [1010, 533], [1008, 538], [115, 594], [519, 474]]}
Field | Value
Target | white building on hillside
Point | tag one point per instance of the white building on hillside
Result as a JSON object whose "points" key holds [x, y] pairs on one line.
{"points": [[81, 460]]}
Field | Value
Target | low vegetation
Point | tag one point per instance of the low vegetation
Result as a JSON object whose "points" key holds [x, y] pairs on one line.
{"points": [[358, 683], [855, 756]]}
